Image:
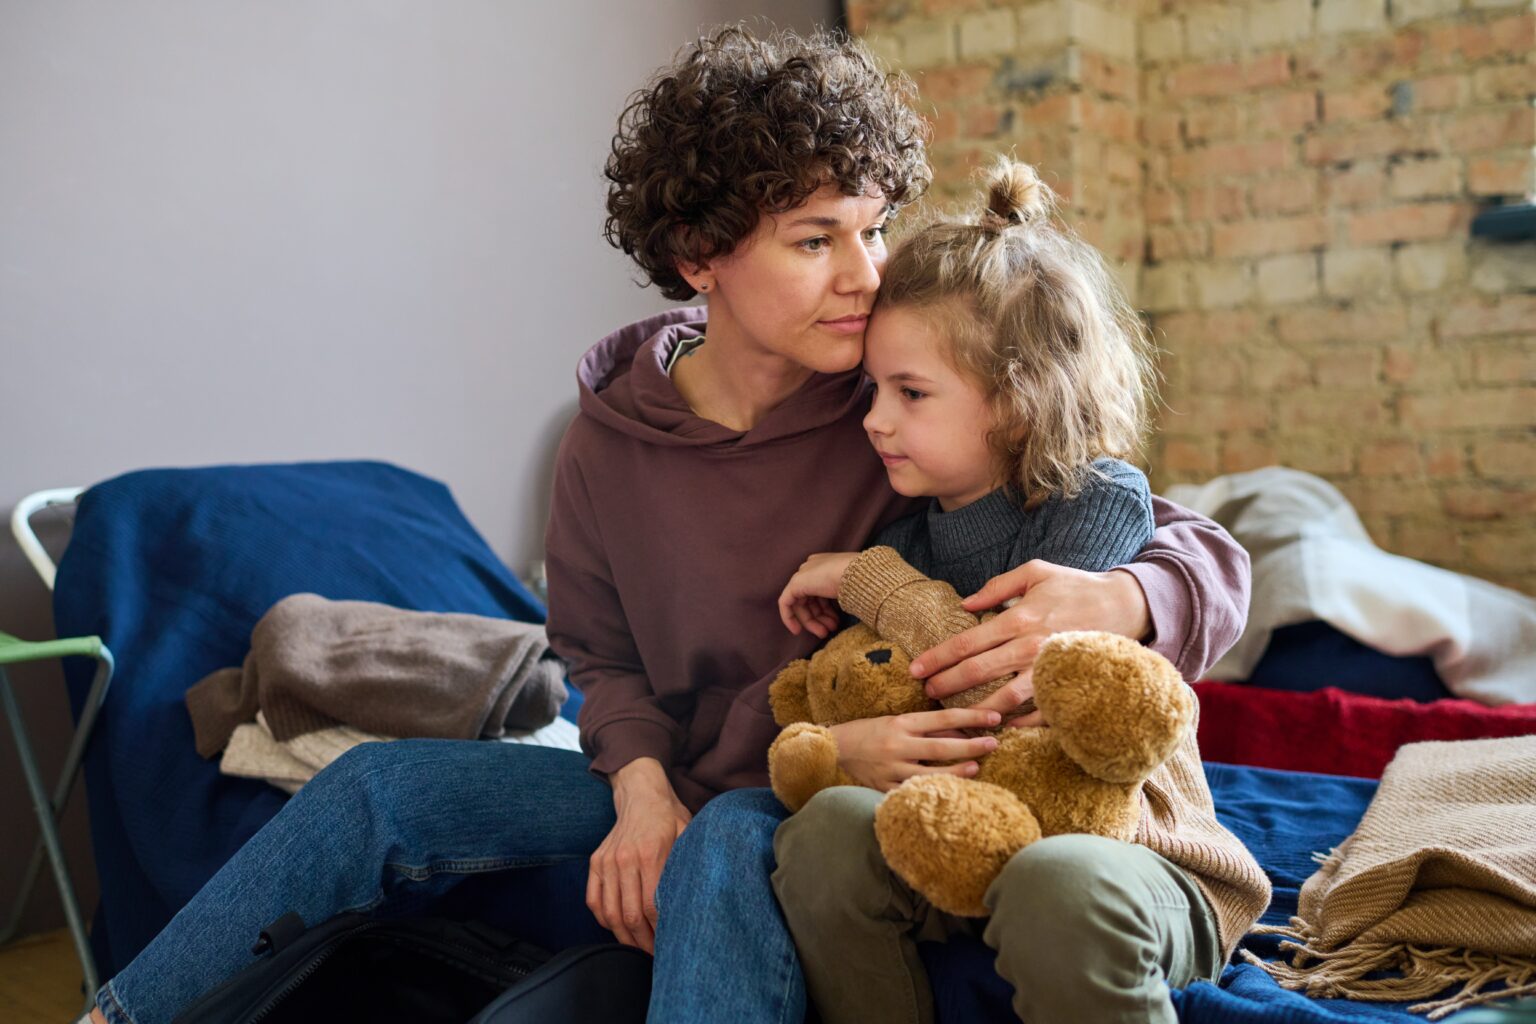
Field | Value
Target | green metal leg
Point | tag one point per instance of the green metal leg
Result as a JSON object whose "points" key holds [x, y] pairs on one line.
{"points": [[50, 810]]}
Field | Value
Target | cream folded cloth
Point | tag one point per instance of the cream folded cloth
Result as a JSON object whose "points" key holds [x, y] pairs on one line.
{"points": [[254, 753]]}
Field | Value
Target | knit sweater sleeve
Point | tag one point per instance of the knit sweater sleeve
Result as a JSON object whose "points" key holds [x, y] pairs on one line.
{"points": [[621, 718], [900, 603], [1108, 522]]}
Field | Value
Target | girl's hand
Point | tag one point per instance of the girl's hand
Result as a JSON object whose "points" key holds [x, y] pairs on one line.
{"points": [[1051, 599], [882, 753], [623, 872], [807, 600]]}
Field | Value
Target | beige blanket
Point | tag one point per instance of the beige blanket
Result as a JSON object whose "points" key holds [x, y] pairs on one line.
{"points": [[1438, 883]]}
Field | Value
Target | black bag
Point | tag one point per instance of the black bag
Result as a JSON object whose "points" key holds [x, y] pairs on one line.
{"points": [[424, 971]]}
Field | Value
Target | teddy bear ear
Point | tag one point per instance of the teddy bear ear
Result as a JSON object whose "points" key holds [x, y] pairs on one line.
{"points": [[789, 694]]}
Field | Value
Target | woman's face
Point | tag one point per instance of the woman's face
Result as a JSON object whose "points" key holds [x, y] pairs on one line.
{"points": [[801, 286]]}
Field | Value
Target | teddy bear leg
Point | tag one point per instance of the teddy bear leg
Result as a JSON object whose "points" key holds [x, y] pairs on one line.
{"points": [[802, 762], [949, 837]]}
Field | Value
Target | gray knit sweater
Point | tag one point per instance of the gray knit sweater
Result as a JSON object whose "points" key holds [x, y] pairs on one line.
{"points": [[1104, 526]]}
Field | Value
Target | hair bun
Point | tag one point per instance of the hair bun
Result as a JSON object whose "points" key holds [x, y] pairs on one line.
{"points": [[1015, 195]]}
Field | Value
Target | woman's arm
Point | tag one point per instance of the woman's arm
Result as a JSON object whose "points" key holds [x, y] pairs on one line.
{"points": [[626, 867], [1195, 579], [624, 729], [621, 717], [1185, 595]]}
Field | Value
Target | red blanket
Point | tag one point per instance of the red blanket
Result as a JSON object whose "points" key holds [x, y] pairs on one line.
{"points": [[1335, 732]]}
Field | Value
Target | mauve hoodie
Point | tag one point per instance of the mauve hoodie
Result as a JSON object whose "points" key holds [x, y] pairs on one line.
{"points": [[671, 536]]}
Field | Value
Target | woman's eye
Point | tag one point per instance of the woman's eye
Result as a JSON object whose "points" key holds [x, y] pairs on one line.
{"points": [[875, 233], [814, 244]]}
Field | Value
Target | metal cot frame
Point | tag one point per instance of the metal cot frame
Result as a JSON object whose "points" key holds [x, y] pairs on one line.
{"points": [[50, 808]]}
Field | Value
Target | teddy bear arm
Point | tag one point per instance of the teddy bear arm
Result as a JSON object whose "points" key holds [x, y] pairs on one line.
{"points": [[789, 693]]}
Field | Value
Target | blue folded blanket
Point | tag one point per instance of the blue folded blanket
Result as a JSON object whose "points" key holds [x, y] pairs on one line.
{"points": [[172, 568]]}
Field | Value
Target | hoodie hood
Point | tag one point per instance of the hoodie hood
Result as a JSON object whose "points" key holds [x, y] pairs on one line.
{"points": [[625, 387]]}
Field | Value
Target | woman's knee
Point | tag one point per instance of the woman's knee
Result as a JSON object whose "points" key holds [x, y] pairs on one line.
{"points": [[737, 809], [740, 819], [352, 777], [728, 842], [411, 789], [366, 762]]}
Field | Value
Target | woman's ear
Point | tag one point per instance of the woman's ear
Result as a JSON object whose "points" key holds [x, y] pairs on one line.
{"points": [[789, 693], [701, 276]]}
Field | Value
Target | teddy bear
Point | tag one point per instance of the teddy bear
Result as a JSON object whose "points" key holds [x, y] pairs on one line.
{"points": [[1114, 711]]}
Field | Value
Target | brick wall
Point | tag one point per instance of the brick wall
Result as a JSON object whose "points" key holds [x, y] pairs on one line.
{"points": [[1287, 187]]}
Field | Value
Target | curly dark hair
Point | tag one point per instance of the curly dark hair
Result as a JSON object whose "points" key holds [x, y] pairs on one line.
{"points": [[738, 125]]}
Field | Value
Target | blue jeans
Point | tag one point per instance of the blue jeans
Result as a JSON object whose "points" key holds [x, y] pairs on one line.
{"points": [[723, 950], [390, 827]]}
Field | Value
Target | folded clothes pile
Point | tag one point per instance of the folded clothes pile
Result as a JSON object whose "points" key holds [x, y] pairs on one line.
{"points": [[323, 676]]}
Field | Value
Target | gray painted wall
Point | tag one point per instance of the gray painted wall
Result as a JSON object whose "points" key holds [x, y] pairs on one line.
{"points": [[237, 232]]}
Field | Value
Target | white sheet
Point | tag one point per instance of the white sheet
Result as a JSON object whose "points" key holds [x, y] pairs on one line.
{"points": [[1313, 559]]}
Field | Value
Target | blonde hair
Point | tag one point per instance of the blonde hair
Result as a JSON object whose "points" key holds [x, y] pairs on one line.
{"points": [[1039, 322]]}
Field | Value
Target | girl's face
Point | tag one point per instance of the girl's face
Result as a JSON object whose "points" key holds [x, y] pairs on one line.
{"points": [[928, 422], [801, 286]]}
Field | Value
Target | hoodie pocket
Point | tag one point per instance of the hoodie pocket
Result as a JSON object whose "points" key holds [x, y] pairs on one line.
{"points": [[709, 714]]}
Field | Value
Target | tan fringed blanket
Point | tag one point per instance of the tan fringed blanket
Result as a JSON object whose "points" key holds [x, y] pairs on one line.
{"points": [[1438, 883]]}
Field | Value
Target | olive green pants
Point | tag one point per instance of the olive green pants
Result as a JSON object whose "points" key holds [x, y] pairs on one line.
{"points": [[1086, 929]]}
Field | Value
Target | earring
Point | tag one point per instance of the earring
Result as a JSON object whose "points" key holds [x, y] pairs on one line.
{"points": [[704, 287]]}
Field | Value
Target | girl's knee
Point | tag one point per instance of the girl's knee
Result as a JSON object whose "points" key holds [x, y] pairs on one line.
{"points": [[1057, 877], [831, 840], [842, 805]]}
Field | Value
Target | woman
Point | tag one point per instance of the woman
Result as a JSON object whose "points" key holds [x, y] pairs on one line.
{"points": [[759, 174]]}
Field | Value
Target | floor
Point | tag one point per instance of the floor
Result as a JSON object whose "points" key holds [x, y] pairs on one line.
{"points": [[40, 980]]}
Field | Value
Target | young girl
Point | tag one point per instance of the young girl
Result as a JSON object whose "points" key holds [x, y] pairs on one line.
{"points": [[1011, 376]]}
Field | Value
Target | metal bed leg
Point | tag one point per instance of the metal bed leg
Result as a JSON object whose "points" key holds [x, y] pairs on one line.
{"points": [[47, 811], [68, 776]]}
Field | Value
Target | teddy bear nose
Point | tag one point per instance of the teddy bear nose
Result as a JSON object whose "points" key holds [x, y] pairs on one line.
{"points": [[879, 656]]}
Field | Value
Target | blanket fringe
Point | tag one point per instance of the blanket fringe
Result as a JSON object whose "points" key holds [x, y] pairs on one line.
{"points": [[1340, 973]]}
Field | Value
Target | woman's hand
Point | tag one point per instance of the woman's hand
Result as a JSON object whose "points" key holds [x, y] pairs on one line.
{"points": [[882, 753], [621, 881], [1051, 599], [806, 602]]}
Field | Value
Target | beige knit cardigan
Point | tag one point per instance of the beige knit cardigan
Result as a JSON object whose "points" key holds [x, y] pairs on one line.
{"points": [[1178, 818]]}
